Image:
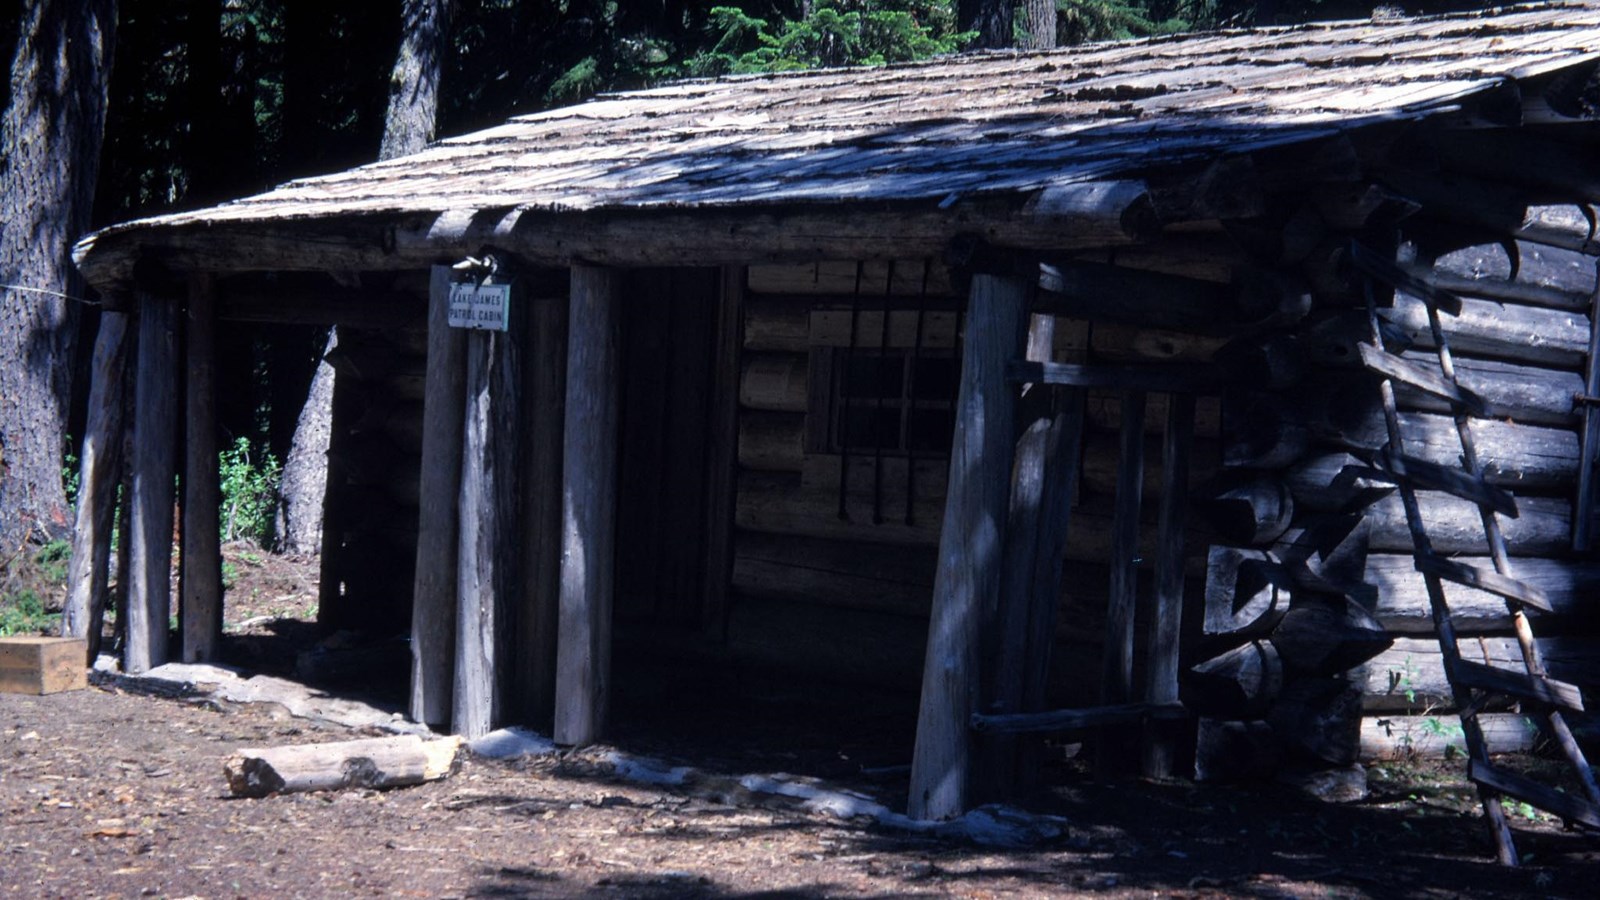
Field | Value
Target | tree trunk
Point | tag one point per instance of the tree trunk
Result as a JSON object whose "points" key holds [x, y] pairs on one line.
{"points": [[1041, 15], [990, 18], [409, 126], [52, 130], [414, 85]]}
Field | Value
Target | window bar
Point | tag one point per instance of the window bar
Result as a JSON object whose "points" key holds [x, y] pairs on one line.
{"points": [[910, 393], [841, 377], [878, 389]]}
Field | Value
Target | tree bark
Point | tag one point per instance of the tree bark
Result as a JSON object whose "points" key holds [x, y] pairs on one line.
{"points": [[51, 131], [1041, 15], [990, 18], [409, 126]]}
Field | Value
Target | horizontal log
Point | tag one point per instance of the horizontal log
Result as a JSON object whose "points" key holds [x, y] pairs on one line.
{"points": [[1239, 684], [1457, 200], [1402, 596], [372, 763], [1146, 299], [777, 324], [1527, 394], [1243, 587], [1322, 635], [1509, 154], [1387, 737], [838, 278], [906, 328], [1204, 257], [777, 382], [1113, 342], [1176, 378], [1519, 271], [1498, 329], [1410, 674], [1057, 721], [1319, 717], [1250, 510], [1064, 217], [772, 441], [1544, 526]]}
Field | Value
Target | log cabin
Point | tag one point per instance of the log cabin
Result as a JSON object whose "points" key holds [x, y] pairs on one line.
{"points": [[1087, 389]]}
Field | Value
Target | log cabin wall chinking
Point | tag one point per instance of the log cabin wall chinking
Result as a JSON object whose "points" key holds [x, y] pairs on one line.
{"points": [[1038, 377]]}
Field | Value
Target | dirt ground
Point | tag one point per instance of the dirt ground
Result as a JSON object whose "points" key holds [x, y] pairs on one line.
{"points": [[114, 792]]}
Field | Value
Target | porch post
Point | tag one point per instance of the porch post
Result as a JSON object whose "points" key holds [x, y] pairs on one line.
{"points": [[201, 607], [589, 499], [100, 470], [971, 545], [433, 596], [154, 427]]}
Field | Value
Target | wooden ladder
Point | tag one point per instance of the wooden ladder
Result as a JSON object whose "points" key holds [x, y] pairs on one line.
{"points": [[1473, 685]]}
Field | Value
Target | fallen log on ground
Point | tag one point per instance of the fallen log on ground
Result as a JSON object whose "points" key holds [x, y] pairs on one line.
{"points": [[372, 763]]}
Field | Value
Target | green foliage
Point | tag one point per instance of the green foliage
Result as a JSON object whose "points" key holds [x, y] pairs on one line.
{"points": [[835, 33], [249, 493], [26, 613]]}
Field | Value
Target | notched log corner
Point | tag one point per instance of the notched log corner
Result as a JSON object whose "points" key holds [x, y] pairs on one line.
{"points": [[372, 763]]}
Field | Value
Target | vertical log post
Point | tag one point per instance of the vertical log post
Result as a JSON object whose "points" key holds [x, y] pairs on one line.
{"points": [[546, 392], [1116, 686], [722, 463], [433, 599], [486, 585], [1007, 649], [201, 606], [1162, 738], [154, 429], [971, 547], [100, 468], [589, 505]]}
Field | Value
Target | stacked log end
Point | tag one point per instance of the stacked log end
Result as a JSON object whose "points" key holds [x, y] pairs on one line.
{"points": [[1318, 647]]}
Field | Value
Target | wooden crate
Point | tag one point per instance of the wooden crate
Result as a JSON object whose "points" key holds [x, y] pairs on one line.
{"points": [[42, 665]]}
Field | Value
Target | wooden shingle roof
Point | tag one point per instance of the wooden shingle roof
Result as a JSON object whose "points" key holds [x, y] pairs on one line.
{"points": [[938, 132]]}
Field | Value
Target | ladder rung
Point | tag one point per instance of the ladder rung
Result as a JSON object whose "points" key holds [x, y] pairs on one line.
{"points": [[1566, 806], [1485, 579], [1538, 688], [1432, 476], [1420, 377], [1390, 273]]}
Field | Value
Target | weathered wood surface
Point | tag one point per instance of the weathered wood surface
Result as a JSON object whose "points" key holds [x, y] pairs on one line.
{"points": [[1161, 744], [722, 465], [100, 466], [1204, 257], [912, 277], [385, 762], [1514, 212], [42, 665], [1402, 604], [1410, 674], [589, 505], [543, 415], [1386, 737], [1543, 526], [154, 455], [1320, 717], [1520, 271], [1239, 684], [776, 442], [1537, 396], [933, 329], [1242, 587], [200, 609], [1116, 685], [776, 324], [488, 580], [1252, 511], [433, 604], [1322, 635], [971, 547], [774, 382], [1504, 330]]}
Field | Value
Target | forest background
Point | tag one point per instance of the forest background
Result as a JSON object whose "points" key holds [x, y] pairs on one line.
{"points": [[115, 110]]}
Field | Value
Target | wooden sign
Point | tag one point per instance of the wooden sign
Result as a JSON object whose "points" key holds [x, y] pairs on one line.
{"points": [[486, 307]]}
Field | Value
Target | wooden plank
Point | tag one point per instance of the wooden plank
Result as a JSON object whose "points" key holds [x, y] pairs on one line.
{"points": [[1548, 691], [154, 452], [488, 585], [1485, 578], [545, 388], [1178, 378], [1390, 366], [1116, 686], [1430, 476], [1566, 806], [42, 665], [589, 502], [970, 547], [433, 604], [1161, 744], [1410, 674], [722, 463], [100, 464], [200, 611], [1440, 736], [1063, 720]]}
